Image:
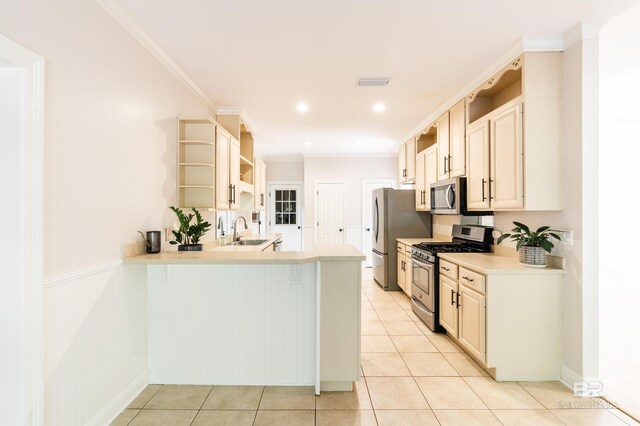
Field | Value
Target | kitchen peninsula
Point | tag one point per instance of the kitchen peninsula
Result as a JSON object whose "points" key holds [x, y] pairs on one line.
{"points": [[249, 317]]}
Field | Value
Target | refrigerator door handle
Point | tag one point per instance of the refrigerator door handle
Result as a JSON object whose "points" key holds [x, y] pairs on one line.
{"points": [[376, 219]]}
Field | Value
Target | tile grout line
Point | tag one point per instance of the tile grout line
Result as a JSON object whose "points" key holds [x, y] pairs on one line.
{"points": [[255, 416], [202, 405]]}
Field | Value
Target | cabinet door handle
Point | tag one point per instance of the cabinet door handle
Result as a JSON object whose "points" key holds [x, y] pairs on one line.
{"points": [[234, 194], [340, 229], [468, 279], [230, 194], [453, 302], [449, 163], [483, 182], [445, 164], [445, 268], [457, 300], [490, 189]]}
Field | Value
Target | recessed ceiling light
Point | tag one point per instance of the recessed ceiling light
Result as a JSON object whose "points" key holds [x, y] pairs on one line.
{"points": [[302, 107], [379, 107], [306, 143]]}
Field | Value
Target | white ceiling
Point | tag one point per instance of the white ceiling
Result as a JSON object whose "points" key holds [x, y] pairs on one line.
{"points": [[266, 56]]}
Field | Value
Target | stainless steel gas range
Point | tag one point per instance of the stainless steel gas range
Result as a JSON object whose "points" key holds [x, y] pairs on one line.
{"points": [[425, 296]]}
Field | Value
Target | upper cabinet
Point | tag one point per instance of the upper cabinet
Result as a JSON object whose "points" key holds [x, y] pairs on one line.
{"points": [[451, 142], [514, 137], [260, 185], [196, 183], [407, 162], [426, 174]]}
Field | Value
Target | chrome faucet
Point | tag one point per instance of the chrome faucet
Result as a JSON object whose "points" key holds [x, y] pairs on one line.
{"points": [[235, 227]]}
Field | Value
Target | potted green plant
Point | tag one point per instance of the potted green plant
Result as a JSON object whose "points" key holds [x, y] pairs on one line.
{"points": [[532, 246], [188, 235]]}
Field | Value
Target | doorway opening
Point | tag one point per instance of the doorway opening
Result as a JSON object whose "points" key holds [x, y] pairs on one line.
{"points": [[21, 254]]}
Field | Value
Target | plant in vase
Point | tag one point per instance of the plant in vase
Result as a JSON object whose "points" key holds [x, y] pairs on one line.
{"points": [[532, 246], [188, 235]]}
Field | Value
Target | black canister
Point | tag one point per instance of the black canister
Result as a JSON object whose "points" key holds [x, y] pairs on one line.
{"points": [[153, 241]]}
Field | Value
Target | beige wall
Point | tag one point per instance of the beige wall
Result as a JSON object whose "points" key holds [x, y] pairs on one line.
{"points": [[110, 130], [351, 171], [285, 170]]}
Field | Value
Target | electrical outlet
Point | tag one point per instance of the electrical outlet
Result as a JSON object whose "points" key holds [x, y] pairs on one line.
{"points": [[168, 234], [566, 237]]}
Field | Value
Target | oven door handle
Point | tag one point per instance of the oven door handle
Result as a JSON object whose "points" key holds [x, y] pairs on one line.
{"points": [[422, 264]]}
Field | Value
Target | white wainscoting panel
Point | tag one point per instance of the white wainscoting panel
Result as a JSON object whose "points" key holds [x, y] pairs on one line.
{"points": [[354, 236], [95, 343], [232, 324]]}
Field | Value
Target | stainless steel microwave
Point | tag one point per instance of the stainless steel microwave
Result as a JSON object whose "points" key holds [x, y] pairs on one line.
{"points": [[450, 197]]}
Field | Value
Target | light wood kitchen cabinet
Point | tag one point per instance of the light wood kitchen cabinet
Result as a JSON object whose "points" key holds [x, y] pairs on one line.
{"points": [[260, 185], [408, 273], [227, 170], [457, 140], [518, 112], [448, 305], [407, 162], [462, 312], [426, 174], [402, 267], [196, 162], [471, 322], [223, 189], [478, 166], [494, 178], [234, 173], [506, 316], [505, 147], [451, 142]]}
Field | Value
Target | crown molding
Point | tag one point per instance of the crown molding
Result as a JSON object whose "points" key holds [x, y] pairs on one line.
{"points": [[580, 32], [128, 23], [233, 110], [542, 44]]}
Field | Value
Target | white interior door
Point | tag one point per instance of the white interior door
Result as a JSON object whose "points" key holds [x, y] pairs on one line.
{"points": [[286, 214], [330, 214], [368, 186]]}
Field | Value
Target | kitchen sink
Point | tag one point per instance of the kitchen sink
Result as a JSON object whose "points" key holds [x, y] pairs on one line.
{"points": [[246, 243]]}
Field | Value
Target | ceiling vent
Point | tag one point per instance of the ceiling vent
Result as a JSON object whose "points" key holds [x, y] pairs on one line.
{"points": [[373, 81]]}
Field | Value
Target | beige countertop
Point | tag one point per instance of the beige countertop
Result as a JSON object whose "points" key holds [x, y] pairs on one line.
{"points": [[343, 252], [490, 263], [412, 240]]}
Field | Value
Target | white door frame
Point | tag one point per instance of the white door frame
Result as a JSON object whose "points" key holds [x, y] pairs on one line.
{"points": [[33, 65], [315, 207], [394, 184], [268, 212]]}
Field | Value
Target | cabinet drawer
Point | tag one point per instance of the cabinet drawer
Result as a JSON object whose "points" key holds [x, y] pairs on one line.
{"points": [[449, 269], [401, 248], [472, 280]]}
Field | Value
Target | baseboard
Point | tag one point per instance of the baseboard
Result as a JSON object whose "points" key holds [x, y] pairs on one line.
{"points": [[121, 401], [568, 377]]}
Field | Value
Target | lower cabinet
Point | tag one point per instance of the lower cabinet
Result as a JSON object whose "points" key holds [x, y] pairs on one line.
{"points": [[404, 269], [449, 305], [471, 322], [401, 269], [509, 320]]}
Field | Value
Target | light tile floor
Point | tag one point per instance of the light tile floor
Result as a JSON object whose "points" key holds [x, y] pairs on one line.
{"points": [[411, 376]]}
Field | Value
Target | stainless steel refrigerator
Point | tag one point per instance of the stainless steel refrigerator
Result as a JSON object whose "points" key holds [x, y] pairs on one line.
{"points": [[394, 216]]}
